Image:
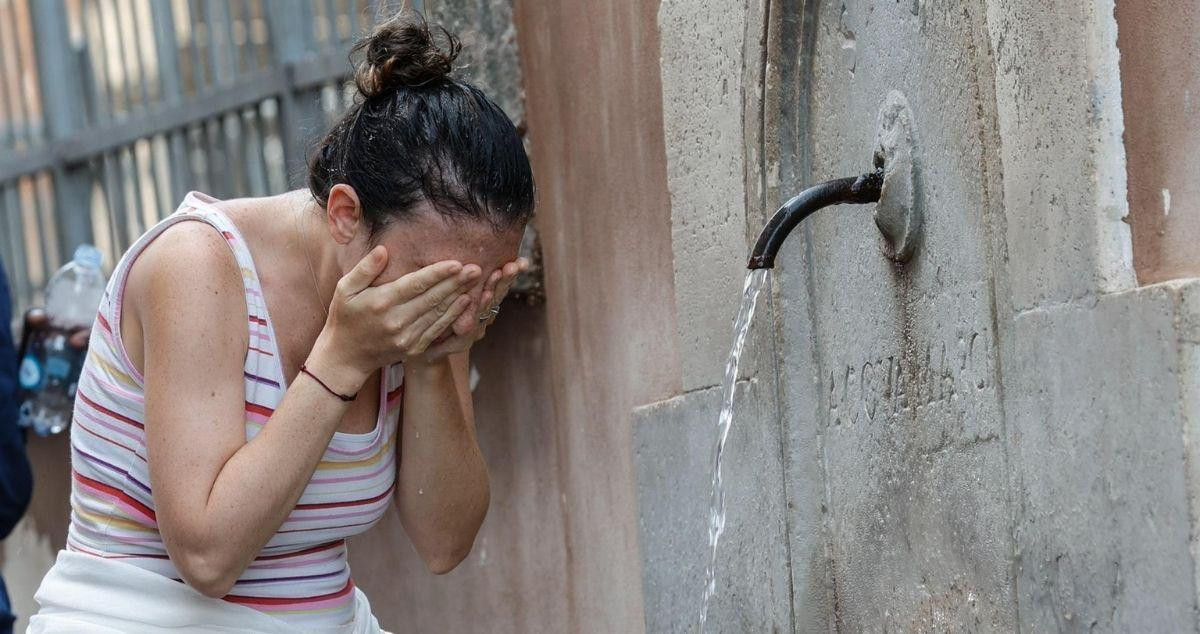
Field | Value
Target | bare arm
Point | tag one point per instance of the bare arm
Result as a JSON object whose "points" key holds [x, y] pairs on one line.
{"points": [[443, 491], [219, 498]]}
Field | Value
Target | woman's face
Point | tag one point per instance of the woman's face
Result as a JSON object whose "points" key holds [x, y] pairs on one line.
{"points": [[428, 237]]}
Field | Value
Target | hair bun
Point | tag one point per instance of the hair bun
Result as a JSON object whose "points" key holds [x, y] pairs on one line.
{"points": [[402, 52]]}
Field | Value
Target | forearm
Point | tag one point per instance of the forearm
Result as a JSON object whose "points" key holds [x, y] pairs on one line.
{"points": [[442, 491], [260, 484]]}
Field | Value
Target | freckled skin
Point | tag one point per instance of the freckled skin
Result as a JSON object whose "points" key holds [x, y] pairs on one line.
{"points": [[218, 497]]}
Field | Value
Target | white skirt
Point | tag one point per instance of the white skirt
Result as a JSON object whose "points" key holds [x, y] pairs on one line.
{"points": [[84, 594]]}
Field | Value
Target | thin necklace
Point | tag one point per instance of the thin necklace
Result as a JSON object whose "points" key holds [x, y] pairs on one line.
{"points": [[311, 270]]}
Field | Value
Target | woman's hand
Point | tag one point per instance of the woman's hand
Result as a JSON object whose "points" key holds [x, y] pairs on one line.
{"points": [[494, 291], [370, 327]]}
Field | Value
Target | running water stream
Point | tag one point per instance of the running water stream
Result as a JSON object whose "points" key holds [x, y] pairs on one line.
{"points": [[755, 281]]}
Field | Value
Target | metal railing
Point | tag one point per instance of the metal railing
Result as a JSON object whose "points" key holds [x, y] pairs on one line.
{"points": [[111, 110]]}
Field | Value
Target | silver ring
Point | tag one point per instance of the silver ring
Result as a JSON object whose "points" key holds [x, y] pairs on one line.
{"points": [[492, 312]]}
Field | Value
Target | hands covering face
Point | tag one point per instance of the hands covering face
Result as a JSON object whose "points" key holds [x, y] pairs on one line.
{"points": [[419, 317], [459, 339]]}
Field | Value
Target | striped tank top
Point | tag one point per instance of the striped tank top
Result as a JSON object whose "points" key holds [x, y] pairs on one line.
{"points": [[301, 575]]}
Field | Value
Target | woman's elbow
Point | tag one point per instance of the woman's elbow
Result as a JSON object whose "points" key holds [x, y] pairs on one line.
{"points": [[443, 549], [207, 573], [442, 559]]}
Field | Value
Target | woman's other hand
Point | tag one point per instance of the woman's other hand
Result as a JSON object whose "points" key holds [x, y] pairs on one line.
{"points": [[452, 340]]}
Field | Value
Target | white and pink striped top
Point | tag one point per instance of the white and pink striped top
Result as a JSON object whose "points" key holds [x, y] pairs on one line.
{"points": [[301, 575]]}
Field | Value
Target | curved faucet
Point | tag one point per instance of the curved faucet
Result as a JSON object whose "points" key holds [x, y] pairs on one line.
{"points": [[858, 189]]}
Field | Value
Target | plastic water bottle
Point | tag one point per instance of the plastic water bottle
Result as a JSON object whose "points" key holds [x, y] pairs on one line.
{"points": [[54, 342]]}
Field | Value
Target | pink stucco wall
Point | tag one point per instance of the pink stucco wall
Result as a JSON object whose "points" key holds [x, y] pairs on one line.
{"points": [[558, 552], [1160, 76]]}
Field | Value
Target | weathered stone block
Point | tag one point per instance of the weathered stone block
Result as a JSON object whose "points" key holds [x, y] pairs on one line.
{"points": [[702, 122], [1100, 457], [673, 451]]}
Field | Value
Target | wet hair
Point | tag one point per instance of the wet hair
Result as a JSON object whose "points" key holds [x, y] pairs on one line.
{"points": [[415, 133]]}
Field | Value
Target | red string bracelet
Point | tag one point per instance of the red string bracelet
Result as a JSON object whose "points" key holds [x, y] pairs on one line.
{"points": [[304, 369]]}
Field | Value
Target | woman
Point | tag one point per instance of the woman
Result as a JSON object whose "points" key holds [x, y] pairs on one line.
{"points": [[265, 375]]}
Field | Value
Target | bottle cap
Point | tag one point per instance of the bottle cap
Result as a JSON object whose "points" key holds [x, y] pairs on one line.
{"points": [[88, 255]]}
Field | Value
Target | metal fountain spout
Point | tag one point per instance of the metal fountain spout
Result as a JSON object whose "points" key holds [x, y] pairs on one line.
{"points": [[894, 186], [861, 189]]}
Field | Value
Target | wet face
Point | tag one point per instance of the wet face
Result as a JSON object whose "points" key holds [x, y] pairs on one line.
{"points": [[429, 238]]}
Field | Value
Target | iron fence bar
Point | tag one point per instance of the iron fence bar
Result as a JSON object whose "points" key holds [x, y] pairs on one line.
{"points": [[196, 163], [180, 180], [157, 165], [157, 168], [233, 138], [143, 76], [273, 137], [135, 213], [48, 222], [290, 33], [332, 34], [14, 251], [114, 188], [216, 20], [297, 77], [169, 76], [239, 23], [143, 161], [318, 70], [32, 216], [34, 106], [360, 20], [8, 135], [130, 65], [91, 88], [199, 74], [118, 91], [160, 165], [60, 71], [8, 255], [166, 49], [229, 49], [94, 56], [252, 152], [29, 116], [10, 76], [20, 269], [16, 164], [257, 34], [216, 182]]}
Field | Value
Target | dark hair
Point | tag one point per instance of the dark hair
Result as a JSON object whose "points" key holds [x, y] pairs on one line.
{"points": [[415, 133]]}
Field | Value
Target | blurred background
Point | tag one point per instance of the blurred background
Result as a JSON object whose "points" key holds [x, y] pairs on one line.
{"points": [[111, 110]]}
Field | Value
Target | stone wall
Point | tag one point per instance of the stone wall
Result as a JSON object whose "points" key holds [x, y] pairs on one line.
{"points": [[995, 435]]}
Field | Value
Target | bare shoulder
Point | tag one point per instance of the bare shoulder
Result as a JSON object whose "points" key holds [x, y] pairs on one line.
{"points": [[188, 269], [188, 254]]}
